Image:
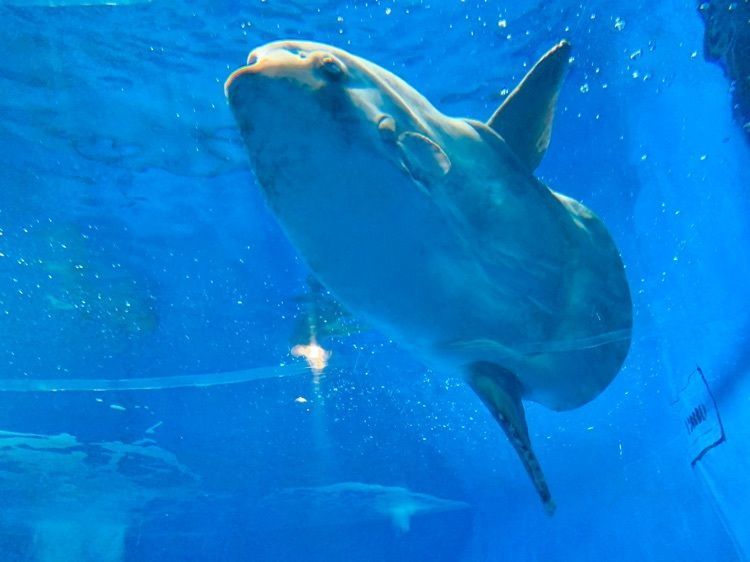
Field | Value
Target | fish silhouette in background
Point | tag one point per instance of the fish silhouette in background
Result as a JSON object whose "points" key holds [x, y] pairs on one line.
{"points": [[355, 502]]}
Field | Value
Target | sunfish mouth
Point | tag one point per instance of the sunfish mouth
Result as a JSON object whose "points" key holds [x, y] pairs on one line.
{"points": [[305, 64], [244, 70]]}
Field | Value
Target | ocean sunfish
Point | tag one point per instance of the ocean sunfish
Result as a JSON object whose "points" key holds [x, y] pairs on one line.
{"points": [[435, 230], [355, 502]]}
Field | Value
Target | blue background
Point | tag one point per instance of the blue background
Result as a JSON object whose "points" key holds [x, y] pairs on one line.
{"points": [[134, 242]]}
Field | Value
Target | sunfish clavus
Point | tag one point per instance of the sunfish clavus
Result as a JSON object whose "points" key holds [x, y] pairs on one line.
{"points": [[435, 230]]}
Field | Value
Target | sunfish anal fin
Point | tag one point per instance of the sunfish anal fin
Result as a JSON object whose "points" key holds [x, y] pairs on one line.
{"points": [[525, 118], [501, 393], [401, 519]]}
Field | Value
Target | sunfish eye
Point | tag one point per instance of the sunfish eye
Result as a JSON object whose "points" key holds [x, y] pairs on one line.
{"points": [[332, 67]]}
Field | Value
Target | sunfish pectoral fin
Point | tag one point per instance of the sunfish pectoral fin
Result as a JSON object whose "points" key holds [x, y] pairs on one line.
{"points": [[423, 158], [525, 118], [501, 393]]}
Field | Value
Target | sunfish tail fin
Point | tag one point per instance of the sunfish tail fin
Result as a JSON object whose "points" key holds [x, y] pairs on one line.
{"points": [[501, 393]]}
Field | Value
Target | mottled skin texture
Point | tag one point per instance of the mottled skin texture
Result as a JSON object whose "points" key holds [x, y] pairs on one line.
{"points": [[435, 231]]}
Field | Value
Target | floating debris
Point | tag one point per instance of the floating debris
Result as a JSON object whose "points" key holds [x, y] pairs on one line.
{"points": [[153, 428]]}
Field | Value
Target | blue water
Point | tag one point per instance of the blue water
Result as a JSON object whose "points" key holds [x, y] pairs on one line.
{"points": [[135, 244]]}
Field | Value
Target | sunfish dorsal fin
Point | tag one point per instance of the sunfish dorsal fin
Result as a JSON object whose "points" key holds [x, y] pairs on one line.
{"points": [[524, 119], [500, 391]]}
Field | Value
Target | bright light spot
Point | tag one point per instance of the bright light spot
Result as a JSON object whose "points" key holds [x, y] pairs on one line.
{"points": [[316, 356], [300, 400]]}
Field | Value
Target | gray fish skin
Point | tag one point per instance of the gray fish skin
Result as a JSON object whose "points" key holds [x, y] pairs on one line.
{"points": [[435, 230]]}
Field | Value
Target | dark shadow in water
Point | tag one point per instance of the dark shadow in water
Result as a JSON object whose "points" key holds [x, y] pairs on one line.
{"points": [[727, 42]]}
